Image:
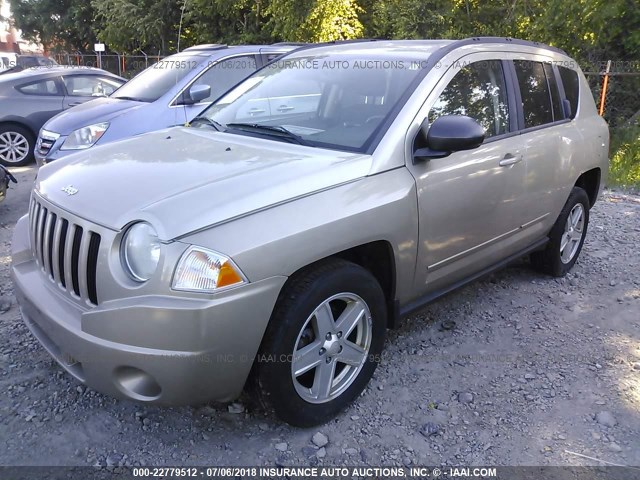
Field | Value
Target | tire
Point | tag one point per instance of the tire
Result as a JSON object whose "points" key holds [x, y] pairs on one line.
{"points": [[303, 399], [16, 145], [558, 258]]}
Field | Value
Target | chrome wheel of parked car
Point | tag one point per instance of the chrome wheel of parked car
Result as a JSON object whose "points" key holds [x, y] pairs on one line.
{"points": [[323, 342], [331, 348], [16, 146], [573, 233]]}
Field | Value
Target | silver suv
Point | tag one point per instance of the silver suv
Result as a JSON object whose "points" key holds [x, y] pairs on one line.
{"points": [[274, 241]]}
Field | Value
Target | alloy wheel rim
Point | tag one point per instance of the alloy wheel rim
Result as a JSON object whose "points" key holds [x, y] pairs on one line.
{"points": [[14, 147], [331, 348], [572, 235]]}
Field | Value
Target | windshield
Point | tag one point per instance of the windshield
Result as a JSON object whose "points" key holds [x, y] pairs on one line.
{"points": [[332, 101], [155, 81]]}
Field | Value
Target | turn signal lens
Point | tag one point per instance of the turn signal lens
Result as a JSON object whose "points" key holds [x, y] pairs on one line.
{"points": [[205, 271]]}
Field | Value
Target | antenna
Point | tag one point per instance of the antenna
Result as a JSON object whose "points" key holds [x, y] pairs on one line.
{"points": [[184, 107], [184, 4]]}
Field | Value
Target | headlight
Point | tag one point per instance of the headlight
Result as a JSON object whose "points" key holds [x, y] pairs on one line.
{"points": [[85, 137], [140, 251], [205, 271]]}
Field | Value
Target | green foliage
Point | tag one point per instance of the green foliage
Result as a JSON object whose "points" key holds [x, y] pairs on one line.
{"points": [[625, 157], [315, 20], [130, 25], [331, 20], [58, 24]]}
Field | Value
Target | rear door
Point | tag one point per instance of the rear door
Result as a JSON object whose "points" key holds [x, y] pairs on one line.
{"points": [[549, 137], [80, 88]]}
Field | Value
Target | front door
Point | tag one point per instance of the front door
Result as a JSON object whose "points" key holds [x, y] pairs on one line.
{"points": [[468, 201], [82, 88]]}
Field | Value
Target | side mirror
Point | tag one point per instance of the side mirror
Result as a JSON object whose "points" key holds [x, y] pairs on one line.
{"points": [[196, 94], [450, 133]]}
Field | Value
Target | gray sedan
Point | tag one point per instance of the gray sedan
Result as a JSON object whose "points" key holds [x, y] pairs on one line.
{"points": [[31, 97]]}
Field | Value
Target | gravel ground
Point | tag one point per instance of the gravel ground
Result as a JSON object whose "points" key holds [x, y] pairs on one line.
{"points": [[515, 369]]}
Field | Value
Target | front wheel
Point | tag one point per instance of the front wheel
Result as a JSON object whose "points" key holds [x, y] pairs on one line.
{"points": [[323, 342], [566, 237]]}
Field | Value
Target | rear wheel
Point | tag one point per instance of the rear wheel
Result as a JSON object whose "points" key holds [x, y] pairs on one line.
{"points": [[566, 237], [16, 145], [323, 342]]}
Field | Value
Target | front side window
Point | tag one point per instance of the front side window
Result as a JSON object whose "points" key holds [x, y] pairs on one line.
{"points": [[155, 81], [225, 74], [89, 85], [534, 90], [43, 87], [329, 100], [478, 91]]}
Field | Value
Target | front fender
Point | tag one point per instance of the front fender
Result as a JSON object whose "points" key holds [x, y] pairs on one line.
{"points": [[281, 240]]}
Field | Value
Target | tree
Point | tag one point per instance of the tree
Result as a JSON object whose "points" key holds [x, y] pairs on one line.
{"points": [[227, 21], [148, 25], [315, 20], [57, 24]]}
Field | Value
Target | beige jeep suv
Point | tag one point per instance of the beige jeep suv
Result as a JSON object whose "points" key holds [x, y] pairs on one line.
{"points": [[274, 240]]}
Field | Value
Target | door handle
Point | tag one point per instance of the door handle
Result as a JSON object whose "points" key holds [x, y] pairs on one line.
{"points": [[510, 159], [285, 108], [75, 104]]}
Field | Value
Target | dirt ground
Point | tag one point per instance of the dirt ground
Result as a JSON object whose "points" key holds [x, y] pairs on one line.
{"points": [[535, 371]]}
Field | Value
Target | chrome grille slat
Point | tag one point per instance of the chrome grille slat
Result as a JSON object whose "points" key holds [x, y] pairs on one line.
{"points": [[32, 224], [68, 248], [39, 228], [82, 265], [66, 251], [56, 251], [46, 242]]}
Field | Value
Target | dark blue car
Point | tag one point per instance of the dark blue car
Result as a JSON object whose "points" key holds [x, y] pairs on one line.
{"points": [[168, 93]]}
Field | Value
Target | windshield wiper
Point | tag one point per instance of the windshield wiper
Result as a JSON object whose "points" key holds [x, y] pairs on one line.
{"points": [[207, 121], [273, 130]]}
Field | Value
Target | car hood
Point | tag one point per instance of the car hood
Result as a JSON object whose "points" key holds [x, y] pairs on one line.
{"points": [[185, 179], [99, 110]]}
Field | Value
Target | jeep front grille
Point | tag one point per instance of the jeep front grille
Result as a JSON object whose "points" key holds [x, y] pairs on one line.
{"points": [[65, 251]]}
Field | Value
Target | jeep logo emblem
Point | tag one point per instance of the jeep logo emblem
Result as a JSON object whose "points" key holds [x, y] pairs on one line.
{"points": [[70, 190]]}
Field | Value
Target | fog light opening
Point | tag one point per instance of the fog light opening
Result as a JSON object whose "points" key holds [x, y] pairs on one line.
{"points": [[137, 384]]}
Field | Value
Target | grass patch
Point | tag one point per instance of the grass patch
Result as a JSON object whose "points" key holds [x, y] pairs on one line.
{"points": [[625, 157]]}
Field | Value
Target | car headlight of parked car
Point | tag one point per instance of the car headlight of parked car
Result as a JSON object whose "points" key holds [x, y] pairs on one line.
{"points": [[85, 137], [140, 251], [205, 271]]}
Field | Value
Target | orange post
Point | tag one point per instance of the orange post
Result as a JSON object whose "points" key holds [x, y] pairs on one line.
{"points": [[605, 85]]}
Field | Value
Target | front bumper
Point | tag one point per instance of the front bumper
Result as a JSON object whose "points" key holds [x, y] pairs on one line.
{"points": [[53, 154], [158, 349]]}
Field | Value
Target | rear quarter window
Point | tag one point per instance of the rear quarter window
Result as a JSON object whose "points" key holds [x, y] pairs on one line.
{"points": [[571, 86], [42, 87]]}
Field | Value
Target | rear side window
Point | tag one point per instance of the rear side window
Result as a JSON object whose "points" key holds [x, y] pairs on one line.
{"points": [[534, 89], [571, 87]]}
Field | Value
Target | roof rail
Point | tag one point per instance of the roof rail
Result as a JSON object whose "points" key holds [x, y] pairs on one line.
{"points": [[287, 44], [515, 41], [206, 46]]}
